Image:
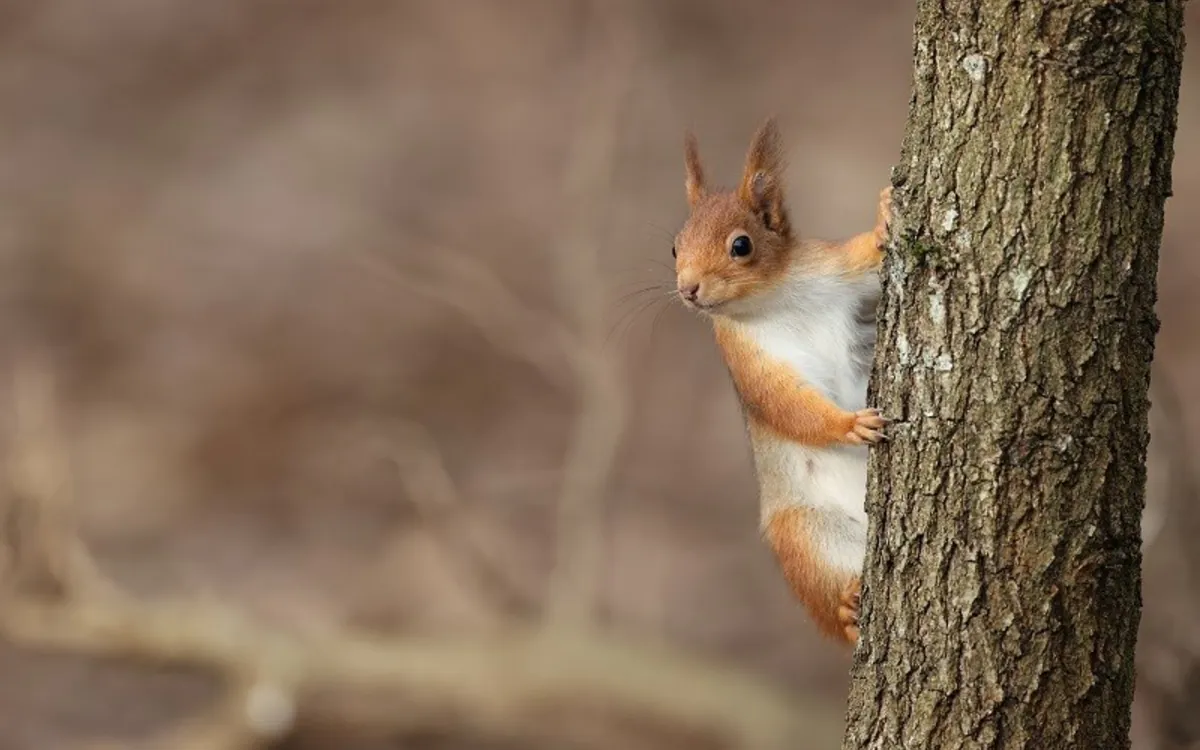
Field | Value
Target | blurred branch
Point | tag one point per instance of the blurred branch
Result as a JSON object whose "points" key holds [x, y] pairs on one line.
{"points": [[1168, 648], [43, 552], [508, 323], [433, 492], [503, 684], [589, 183], [1169, 466], [494, 684], [511, 684], [481, 298]]}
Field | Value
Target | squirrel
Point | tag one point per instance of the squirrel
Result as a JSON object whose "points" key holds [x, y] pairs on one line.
{"points": [[795, 322]]}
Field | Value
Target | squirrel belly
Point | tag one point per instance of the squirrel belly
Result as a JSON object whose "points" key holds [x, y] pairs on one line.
{"points": [[813, 519], [799, 366]]}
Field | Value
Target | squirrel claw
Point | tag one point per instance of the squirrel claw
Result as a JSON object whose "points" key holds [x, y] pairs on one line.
{"points": [[867, 427], [848, 610], [883, 219]]}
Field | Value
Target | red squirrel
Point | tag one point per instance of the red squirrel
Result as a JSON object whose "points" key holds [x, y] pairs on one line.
{"points": [[795, 322]]}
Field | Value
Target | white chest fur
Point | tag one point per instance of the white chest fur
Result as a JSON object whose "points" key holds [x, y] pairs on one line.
{"points": [[817, 327], [824, 329]]}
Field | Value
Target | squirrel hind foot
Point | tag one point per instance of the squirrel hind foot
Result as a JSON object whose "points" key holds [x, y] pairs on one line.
{"points": [[848, 611]]}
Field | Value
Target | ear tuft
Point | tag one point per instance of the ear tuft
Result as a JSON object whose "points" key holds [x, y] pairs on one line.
{"points": [[696, 188], [761, 189]]}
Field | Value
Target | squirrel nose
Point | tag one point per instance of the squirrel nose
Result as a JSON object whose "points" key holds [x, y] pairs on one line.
{"points": [[689, 291]]}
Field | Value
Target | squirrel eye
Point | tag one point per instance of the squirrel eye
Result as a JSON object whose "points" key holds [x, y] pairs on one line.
{"points": [[740, 247], [673, 251]]}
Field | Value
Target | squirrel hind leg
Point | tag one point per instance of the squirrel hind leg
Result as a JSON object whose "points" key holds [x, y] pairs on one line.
{"points": [[830, 594], [848, 610]]}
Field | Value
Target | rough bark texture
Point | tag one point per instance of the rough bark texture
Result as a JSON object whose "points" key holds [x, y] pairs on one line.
{"points": [[1002, 590]]}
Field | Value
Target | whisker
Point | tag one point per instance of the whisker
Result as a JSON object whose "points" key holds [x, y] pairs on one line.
{"points": [[661, 229], [654, 321], [629, 315], [633, 321], [644, 290], [640, 270], [658, 308]]}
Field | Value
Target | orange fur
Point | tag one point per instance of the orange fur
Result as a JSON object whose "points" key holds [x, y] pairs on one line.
{"points": [[861, 253], [704, 252], [694, 184], [832, 599], [761, 189], [864, 252], [776, 397]]}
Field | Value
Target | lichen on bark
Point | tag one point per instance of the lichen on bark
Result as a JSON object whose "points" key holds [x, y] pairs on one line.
{"points": [[1016, 332]]}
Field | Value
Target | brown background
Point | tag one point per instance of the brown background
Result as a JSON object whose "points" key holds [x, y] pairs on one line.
{"points": [[255, 237]]}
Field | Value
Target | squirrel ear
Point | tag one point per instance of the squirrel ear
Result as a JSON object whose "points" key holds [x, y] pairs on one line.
{"points": [[762, 181], [695, 173]]}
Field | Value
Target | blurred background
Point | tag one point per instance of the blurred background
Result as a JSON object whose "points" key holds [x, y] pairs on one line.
{"points": [[353, 319]]}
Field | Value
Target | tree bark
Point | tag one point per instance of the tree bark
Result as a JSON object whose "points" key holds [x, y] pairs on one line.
{"points": [[1002, 582]]}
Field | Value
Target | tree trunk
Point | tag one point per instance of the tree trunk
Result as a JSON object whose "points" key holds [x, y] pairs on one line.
{"points": [[1002, 590]]}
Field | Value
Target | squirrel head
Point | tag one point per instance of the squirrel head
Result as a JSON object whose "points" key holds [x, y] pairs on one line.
{"points": [[735, 245]]}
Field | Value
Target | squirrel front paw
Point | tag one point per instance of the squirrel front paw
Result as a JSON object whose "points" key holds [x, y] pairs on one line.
{"points": [[867, 426], [848, 610], [883, 218]]}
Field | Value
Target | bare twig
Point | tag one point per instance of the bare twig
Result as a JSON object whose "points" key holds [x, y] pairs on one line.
{"points": [[495, 684], [509, 683], [507, 322], [434, 494], [590, 172], [1168, 464], [483, 300], [502, 684], [44, 550]]}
